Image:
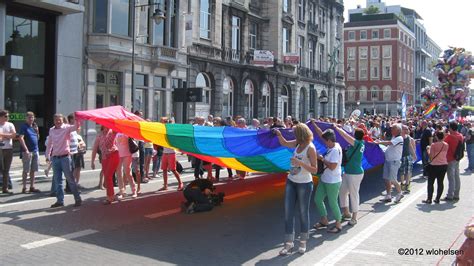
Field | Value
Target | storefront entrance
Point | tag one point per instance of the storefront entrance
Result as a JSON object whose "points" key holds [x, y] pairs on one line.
{"points": [[30, 35]]}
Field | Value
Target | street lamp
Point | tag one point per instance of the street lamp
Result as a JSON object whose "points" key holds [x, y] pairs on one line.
{"points": [[158, 16]]}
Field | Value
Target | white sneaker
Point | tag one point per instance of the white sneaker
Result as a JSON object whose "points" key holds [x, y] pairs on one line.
{"points": [[287, 249], [399, 197], [387, 198]]}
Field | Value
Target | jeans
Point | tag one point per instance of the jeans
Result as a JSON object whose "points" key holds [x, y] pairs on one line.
{"points": [[6, 157], [156, 163], [425, 159], [437, 172], [454, 182], [470, 155], [297, 193], [61, 165]]}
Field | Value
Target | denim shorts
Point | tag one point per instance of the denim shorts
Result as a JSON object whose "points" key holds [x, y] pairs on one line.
{"points": [[148, 151], [390, 170]]}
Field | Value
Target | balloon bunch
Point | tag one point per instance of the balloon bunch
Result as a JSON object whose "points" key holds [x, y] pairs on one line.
{"points": [[454, 70]]}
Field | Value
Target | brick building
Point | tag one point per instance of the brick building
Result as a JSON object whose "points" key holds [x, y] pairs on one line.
{"points": [[379, 60]]}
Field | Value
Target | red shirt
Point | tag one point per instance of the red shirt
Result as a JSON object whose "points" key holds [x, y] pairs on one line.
{"points": [[453, 140]]}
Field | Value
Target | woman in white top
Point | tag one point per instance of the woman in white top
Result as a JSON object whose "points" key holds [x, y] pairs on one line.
{"points": [[125, 163], [330, 181], [299, 185]]}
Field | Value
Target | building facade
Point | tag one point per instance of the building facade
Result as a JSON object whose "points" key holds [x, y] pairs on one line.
{"points": [[379, 55], [298, 34], [426, 50], [49, 78]]}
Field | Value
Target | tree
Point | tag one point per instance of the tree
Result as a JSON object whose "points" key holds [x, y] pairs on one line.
{"points": [[371, 10]]}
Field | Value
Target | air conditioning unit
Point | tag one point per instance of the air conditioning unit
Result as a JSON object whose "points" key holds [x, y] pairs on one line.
{"points": [[73, 1]]}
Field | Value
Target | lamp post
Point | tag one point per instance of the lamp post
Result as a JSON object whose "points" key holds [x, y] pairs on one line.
{"points": [[158, 16]]}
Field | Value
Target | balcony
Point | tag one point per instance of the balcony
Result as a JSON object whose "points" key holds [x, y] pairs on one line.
{"points": [[313, 74], [64, 7], [106, 47], [232, 56], [205, 51], [313, 28]]}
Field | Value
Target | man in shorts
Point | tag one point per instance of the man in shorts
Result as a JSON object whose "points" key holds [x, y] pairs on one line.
{"points": [[408, 156], [28, 137], [393, 156]]}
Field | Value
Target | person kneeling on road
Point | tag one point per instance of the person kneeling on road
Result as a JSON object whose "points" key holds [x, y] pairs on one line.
{"points": [[199, 196]]}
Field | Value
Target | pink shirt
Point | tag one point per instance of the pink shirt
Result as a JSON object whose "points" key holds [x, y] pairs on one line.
{"points": [[58, 140], [442, 149]]}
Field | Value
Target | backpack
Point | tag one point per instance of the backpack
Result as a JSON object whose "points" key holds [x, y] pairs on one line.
{"points": [[459, 152], [132, 145]]}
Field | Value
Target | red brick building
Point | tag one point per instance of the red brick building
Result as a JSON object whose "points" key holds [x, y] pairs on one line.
{"points": [[379, 59]]}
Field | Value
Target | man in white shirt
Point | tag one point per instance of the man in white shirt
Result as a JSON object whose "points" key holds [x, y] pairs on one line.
{"points": [[393, 156]]}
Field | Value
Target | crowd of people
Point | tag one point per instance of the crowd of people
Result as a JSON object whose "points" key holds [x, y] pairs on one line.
{"points": [[131, 163]]}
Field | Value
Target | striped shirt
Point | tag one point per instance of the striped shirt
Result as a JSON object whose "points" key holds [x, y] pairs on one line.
{"points": [[73, 143]]}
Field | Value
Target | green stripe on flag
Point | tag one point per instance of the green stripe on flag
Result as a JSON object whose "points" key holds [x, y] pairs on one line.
{"points": [[181, 136]]}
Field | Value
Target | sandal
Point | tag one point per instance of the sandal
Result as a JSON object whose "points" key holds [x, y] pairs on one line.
{"points": [[334, 230], [107, 202], [34, 190], [353, 222], [287, 249], [163, 189], [319, 225], [346, 217]]}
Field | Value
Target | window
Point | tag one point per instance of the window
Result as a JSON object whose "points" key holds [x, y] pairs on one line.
{"points": [[141, 101], [387, 51], [387, 93], [253, 36], [159, 82], [286, 40], [374, 93], [205, 19], [311, 54], [266, 99], [312, 17], [120, 17], [301, 49], [362, 52], [286, 6], [235, 33], [363, 93], [363, 72], [363, 35], [228, 99], [352, 35], [141, 80], [351, 53], [159, 104], [387, 33], [321, 57], [400, 35], [159, 31], [387, 72], [100, 16], [374, 52], [301, 10], [351, 71], [375, 34], [142, 21], [374, 72], [248, 109], [322, 19]]}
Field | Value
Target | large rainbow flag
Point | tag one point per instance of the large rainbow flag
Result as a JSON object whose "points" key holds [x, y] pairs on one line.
{"points": [[240, 149]]}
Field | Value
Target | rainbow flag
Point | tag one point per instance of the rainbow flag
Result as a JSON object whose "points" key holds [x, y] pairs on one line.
{"points": [[430, 111], [241, 149]]}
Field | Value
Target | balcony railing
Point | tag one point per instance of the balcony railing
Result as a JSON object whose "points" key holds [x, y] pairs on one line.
{"points": [[313, 74], [232, 55], [312, 28], [162, 52]]}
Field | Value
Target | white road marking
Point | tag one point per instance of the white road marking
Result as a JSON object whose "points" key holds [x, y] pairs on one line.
{"points": [[356, 240], [238, 195], [163, 213], [368, 252], [30, 201], [54, 240]]}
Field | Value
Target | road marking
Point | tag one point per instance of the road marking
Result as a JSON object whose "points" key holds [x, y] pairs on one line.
{"points": [[368, 252], [238, 195], [54, 240], [30, 201], [356, 240], [19, 173], [280, 184], [163, 213]]}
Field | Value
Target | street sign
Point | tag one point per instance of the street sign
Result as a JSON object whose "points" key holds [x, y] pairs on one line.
{"points": [[263, 58], [292, 59], [187, 95]]}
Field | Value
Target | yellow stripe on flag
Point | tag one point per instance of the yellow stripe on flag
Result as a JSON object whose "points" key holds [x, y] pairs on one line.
{"points": [[235, 164], [154, 132]]}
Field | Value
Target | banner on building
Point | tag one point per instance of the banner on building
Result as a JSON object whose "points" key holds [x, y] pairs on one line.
{"points": [[188, 29], [263, 58], [404, 106], [291, 59]]}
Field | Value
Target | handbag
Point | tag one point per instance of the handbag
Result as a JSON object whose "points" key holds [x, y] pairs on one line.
{"points": [[321, 165], [132, 145]]}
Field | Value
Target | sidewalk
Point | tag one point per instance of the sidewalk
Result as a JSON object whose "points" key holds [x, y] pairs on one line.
{"points": [[17, 166]]}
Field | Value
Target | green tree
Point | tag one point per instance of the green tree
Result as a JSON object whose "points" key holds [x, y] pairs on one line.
{"points": [[371, 10]]}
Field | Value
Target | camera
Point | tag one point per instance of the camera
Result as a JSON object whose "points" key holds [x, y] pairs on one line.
{"points": [[217, 199]]}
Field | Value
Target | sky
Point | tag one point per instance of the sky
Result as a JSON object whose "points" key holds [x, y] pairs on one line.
{"points": [[448, 23]]}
